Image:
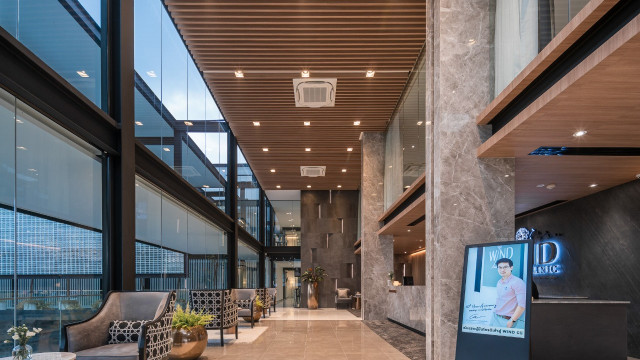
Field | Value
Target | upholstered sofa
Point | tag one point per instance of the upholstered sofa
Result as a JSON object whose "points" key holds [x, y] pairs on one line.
{"points": [[245, 299], [343, 297], [219, 304], [89, 339]]}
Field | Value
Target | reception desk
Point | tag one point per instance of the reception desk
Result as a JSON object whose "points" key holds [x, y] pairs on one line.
{"points": [[578, 329], [407, 305]]}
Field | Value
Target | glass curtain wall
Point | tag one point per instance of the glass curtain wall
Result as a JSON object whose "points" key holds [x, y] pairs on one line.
{"points": [[176, 249], [248, 197], [248, 261], [176, 116], [51, 238], [66, 35], [523, 28], [286, 223], [405, 138]]}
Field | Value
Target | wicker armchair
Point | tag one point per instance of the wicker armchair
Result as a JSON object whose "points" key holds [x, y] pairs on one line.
{"points": [[89, 338], [219, 304], [266, 300]]}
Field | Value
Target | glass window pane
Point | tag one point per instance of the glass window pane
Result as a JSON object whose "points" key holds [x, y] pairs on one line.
{"points": [[247, 266]]}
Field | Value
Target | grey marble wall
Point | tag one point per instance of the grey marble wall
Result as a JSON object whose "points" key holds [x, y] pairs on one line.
{"points": [[469, 200], [377, 251], [407, 306], [329, 226]]}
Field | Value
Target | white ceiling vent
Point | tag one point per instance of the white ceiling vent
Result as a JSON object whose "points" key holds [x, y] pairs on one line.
{"points": [[314, 93], [312, 171]]}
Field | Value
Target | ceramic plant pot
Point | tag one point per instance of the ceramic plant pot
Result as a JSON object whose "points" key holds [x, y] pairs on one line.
{"points": [[188, 344]]}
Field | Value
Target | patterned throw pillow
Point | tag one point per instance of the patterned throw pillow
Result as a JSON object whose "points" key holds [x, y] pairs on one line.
{"points": [[343, 293], [125, 331]]}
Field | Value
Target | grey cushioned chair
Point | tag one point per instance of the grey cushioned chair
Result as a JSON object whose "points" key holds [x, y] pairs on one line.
{"points": [[88, 339], [219, 304], [266, 300], [273, 292], [344, 300], [245, 300]]}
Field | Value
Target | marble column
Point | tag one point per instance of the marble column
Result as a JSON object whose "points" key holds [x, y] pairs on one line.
{"points": [[377, 251], [469, 200]]}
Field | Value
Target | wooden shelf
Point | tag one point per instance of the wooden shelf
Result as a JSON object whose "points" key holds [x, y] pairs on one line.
{"points": [[401, 224]]}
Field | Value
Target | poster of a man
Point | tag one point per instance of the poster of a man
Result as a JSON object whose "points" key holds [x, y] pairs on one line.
{"points": [[495, 289], [511, 301]]}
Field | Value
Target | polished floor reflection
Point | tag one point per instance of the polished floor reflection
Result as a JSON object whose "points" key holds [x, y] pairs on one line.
{"points": [[310, 339]]}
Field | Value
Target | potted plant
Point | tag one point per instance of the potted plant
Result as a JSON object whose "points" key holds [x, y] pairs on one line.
{"points": [[313, 276], [258, 307], [189, 335], [21, 334]]}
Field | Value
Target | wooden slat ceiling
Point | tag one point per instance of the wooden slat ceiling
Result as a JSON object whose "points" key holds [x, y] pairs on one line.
{"points": [[272, 42]]}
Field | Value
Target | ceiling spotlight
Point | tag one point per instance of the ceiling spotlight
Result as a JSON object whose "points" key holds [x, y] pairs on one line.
{"points": [[277, 186], [371, 73], [205, 186], [307, 123], [256, 123], [356, 123], [408, 230], [551, 186], [419, 123], [580, 133], [265, 149], [308, 186], [305, 73], [593, 185], [188, 123], [339, 186], [307, 149], [506, 175], [349, 149], [139, 123], [82, 73], [273, 170], [344, 170], [239, 74], [166, 149]]}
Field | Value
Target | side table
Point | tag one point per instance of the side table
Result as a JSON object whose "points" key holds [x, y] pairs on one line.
{"points": [[357, 298]]}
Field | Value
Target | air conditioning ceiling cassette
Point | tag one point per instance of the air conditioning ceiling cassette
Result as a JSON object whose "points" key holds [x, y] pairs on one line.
{"points": [[314, 93], [312, 171]]}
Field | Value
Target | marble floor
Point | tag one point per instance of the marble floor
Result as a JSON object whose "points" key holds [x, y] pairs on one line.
{"points": [[304, 334]]}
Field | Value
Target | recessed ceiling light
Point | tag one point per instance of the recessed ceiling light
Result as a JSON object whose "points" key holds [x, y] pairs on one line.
{"points": [[256, 123], [305, 73], [419, 123], [82, 73], [188, 123], [277, 186], [405, 252], [307, 123], [580, 133], [166, 149], [349, 149], [307, 149], [308, 186], [205, 186], [339, 186], [273, 170], [371, 73], [356, 123], [506, 175], [344, 170], [288, 213], [551, 186], [265, 149], [593, 185], [413, 146], [152, 73], [408, 230], [139, 123], [239, 74]]}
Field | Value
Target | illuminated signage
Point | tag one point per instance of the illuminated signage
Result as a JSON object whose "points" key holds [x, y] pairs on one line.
{"points": [[547, 253]]}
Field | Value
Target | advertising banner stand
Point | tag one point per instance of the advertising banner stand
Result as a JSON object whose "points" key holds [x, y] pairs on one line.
{"points": [[495, 302]]}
